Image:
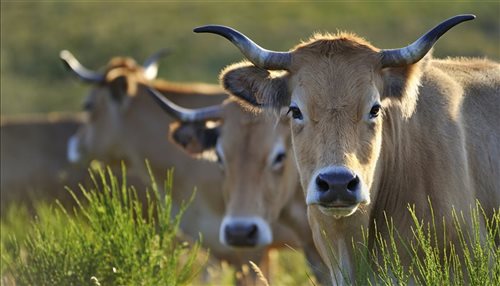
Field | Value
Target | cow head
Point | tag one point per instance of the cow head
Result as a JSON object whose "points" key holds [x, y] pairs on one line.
{"points": [[337, 89], [107, 106], [259, 172]]}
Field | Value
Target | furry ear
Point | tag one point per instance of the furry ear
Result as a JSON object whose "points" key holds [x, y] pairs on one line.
{"points": [[256, 86], [194, 138], [401, 85]]}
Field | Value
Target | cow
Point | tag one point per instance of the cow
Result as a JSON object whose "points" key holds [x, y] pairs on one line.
{"points": [[260, 186], [125, 124], [375, 130], [33, 159]]}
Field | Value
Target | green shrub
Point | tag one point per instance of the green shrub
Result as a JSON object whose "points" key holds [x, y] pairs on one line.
{"points": [[110, 238], [435, 260]]}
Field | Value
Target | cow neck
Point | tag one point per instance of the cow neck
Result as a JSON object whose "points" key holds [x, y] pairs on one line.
{"points": [[392, 173]]}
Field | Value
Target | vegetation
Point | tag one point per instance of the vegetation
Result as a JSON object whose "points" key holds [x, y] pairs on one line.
{"points": [[103, 240], [110, 238], [33, 32], [475, 260]]}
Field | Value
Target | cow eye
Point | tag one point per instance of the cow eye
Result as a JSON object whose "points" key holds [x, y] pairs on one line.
{"points": [[375, 111], [279, 160], [280, 157], [296, 113]]}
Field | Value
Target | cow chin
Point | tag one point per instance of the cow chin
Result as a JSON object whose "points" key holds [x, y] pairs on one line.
{"points": [[338, 212]]}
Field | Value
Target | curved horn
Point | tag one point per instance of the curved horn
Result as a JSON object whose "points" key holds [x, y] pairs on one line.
{"points": [[151, 64], [83, 73], [185, 114], [257, 55], [418, 49]]}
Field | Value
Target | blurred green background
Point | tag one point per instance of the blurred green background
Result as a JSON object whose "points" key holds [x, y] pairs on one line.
{"points": [[32, 34]]}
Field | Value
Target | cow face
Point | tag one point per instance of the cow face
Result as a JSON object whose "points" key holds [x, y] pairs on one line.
{"points": [[109, 118], [100, 136], [259, 172], [336, 88], [333, 99]]}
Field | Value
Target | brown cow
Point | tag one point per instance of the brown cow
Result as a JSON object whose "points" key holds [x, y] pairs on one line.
{"points": [[126, 124], [33, 158], [261, 187], [375, 130]]}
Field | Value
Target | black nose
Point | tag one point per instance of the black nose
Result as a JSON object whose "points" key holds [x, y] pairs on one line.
{"points": [[339, 186], [241, 234]]}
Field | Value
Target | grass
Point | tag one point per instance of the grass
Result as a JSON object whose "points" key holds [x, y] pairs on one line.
{"points": [[435, 260], [112, 237], [109, 238]]}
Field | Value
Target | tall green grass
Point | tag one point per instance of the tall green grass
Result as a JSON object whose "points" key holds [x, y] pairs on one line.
{"points": [[434, 258], [109, 238], [112, 237]]}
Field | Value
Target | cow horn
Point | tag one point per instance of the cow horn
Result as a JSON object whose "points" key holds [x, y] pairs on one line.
{"points": [[151, 64], [418, 49], [257, 55], [83, 73], [185, 114]]}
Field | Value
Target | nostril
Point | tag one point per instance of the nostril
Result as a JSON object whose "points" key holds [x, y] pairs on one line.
{"points": [[323, 186], [353, 184]]}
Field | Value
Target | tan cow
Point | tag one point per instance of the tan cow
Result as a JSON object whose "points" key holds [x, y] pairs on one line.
{"points": [[126, 124], [261, 187], [33, 158], [375, 130]]}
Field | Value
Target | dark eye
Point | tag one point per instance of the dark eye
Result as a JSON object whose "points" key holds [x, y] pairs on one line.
{"points": [[280, 157], [375, 111], [296, 114]]}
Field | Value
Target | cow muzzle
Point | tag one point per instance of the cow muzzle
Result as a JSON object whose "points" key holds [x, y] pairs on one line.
{"points": [[337, 191], [245, 232]]}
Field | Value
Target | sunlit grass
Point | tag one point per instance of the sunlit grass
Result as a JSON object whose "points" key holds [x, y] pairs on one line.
{"points": [[434, 258], [110, 238]]}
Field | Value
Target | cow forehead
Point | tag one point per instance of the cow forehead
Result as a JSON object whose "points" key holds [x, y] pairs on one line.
{"points": [[246, 133], [333, 89], [334, 72], [122, 62], [330, 45]]}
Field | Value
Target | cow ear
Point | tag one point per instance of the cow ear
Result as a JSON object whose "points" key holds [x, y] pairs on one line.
{"points": [[256, 86], [195, 138], [401, 85]]}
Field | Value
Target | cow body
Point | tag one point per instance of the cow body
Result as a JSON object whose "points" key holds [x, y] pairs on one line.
{"points": [[264, 204], [33, 159], [374, 131], [125, 124]]}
